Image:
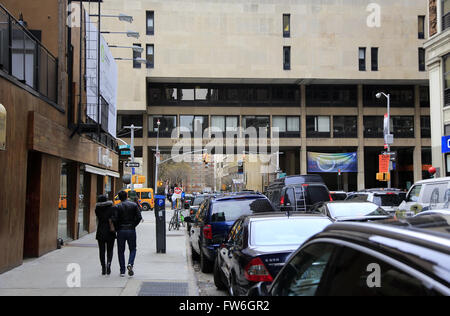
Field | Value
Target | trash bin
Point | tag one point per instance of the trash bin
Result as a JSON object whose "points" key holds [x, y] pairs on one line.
{"points": [[160, 216]]}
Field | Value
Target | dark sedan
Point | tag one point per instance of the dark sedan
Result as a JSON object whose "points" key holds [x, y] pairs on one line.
{"points": [[341, 211], [258, 246], [409, 257]]}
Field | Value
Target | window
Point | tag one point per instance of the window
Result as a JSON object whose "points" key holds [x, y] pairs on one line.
{"points": [[374, 55], [345, 126], [447, 130], [136, 55], [421, 59], [373, 126], [128, 120], [303, 274], [446, 61], [261, 124], [225, 123], [150, 56], [150, 22], [231, 210], [424, 97], [421, 25], [331, 96], [414, 193], [445, 14], [288, 126], [401, 96], [287, 58], [350, 273], [318, 126], [194, 123], [167, 124], [425, 127], [286, 25], [362, 59], [402, 126]]}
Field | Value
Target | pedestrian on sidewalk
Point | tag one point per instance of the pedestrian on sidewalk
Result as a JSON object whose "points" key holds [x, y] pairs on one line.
{"points": [[127, 217], [106, 235]]}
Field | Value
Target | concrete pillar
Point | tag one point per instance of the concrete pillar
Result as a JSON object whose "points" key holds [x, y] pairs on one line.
{"points": [[361, 173], [417, 144], [303, 155], [145, 151]]}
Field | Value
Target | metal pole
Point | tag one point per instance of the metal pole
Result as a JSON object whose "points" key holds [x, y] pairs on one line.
{"points": [[389, 132], [132, 155], [157, 159], [99, 119]]}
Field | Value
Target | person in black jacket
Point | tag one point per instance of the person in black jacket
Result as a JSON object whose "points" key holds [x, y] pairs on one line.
{"points": [[106, 235], [126, 217]]}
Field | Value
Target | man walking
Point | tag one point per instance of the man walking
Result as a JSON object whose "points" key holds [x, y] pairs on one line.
{"points": [[126, 217]]}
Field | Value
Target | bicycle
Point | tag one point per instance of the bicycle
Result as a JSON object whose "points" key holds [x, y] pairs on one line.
{"points": [[176, 220]]}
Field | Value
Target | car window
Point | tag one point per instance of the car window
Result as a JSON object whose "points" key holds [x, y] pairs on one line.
{"points": [[234, 229], [198, 200], [199, 214], [276, 196], [303, 274], [317, 193], [230, 210], [433, 194], [358, 197], [413, 195], [145, 195], [387, 199], [289, 197], [350, 209], [356, 273]]}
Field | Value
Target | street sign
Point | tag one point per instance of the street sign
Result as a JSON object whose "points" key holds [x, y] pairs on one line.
{"points": [[389, 139], [445, 144], [177, 192], [132, 164], [124, 147], [384, 163], [125, 153]]}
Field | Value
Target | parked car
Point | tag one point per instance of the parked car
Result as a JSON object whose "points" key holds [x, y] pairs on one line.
{"points": [[297, 193], [338, 195], [145, 196], [213, 220], [188, 200], [198, 200], [408, 257], [387, 199], [426, 195], [257, 247], [434, 212], [351, 211]]}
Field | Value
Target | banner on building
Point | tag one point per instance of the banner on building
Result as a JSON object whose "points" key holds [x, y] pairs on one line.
{"points": [[332, 163]]}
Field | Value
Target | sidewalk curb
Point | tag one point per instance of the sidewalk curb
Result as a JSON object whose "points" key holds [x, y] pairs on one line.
{"points": [[192, 277]]}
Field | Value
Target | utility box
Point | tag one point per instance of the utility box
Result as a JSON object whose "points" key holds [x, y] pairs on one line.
{"points": [[160, 216]]}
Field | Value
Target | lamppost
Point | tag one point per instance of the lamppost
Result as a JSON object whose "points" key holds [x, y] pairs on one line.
{"points": [[157, 158], [388, 138]]}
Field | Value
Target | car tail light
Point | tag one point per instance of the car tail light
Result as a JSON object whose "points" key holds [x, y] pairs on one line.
{"points": [[207, 232], [331, 198], [256, 271], [282, 200]]}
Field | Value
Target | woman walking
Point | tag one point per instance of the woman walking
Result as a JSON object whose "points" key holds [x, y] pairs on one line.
{"points": [[106, 234]]}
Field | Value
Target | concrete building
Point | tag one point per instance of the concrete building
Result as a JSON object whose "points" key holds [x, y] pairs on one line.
{"points": [[438, 64], [311, 68]]}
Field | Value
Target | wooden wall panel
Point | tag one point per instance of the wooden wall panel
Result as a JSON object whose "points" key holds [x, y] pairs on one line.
{"points": [[92, 202]]}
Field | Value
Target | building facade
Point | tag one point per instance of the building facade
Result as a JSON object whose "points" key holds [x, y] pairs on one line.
{"points": [[438, 64], [51, 174], [309, 68]]}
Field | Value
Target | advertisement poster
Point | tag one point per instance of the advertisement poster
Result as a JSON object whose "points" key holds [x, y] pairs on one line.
{"points": [[332, 163]]}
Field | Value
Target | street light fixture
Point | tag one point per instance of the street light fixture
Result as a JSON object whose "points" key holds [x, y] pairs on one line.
{"points": [[121, 16], [137, 49], [128, 33], [138, 60], [387, 129]]}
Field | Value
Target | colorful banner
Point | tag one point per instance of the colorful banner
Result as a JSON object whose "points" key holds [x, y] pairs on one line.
{"points": [[332, 163]]}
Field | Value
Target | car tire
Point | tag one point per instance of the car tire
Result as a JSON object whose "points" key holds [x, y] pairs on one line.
{"points": [[194, 254], [232, 290], [218, 276], [145, 207], [205, 264]]}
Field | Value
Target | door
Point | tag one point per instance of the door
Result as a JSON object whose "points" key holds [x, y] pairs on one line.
{"points": [[226, 253]]}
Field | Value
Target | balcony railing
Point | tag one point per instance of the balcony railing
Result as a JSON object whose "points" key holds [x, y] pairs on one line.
{"points": [[25, 58]]}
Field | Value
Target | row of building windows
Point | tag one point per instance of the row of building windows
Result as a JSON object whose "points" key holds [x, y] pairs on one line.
{"points": [[374, 58], [338, 126], [288, 95]]}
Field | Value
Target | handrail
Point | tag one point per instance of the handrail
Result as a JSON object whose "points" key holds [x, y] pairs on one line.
{"points": [[26, 31]]}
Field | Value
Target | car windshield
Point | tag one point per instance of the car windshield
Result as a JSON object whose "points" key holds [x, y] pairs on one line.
{"points": [[387, 199], [355, 210], [231, 210], [198, 200], [292, 231]]}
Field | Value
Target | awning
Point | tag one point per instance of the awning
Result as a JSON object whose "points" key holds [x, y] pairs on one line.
{"points": [[101, 172]]}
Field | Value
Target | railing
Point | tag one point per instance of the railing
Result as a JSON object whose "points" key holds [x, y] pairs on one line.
{"points": [[25, 58]]}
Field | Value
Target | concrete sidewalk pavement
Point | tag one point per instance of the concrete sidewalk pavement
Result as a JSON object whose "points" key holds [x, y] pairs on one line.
{"points": [[49, 275]]}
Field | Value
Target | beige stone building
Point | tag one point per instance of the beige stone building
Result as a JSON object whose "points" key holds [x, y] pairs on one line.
{"points": [[311, 68], [438, 64]]}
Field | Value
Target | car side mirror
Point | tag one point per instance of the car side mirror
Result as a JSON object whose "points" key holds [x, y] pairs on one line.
{"points": [[258, 290]]}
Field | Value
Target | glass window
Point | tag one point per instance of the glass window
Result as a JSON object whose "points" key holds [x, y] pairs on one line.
{"points": [[445, 14], [187, 94], [425, 127], [128, 120], [424, 97], [327, 95], [318, 126], [421, 27], [280, 123], [286, 25], [150, 56], [402, 126], [218, 122], [353, 271], [447, 78], [260, 123], [228, 211], [345, 126], [195, 124], [362, 59], [387, 199], [286, 57], [167, 125], [374, 56], [150, 22], [401, 96], [201, 94], [317, 193], [135, 56], [288, 126], [373, 126], [421, 59], [356, 210], [302, 275], [414, 193], [63, 228]]}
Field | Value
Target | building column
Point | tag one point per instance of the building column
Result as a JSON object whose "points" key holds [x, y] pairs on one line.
{"points": [[73, 192], [145, 151], [92, 200], [303, 155], [361, 172], [418, 140]]}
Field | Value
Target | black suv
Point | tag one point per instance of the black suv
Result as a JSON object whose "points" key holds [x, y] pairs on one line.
{"points": [[410, 257], [297, 193]]}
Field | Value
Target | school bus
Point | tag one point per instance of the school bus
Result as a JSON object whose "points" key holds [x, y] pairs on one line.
{"points": [[145, 196]]}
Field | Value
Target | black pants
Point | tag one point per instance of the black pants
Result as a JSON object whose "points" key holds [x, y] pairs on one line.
{"points": [[106, 247]]}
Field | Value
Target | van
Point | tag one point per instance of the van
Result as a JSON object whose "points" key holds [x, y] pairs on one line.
{"points": [[297, 193], [145, 196], [431, 194]]}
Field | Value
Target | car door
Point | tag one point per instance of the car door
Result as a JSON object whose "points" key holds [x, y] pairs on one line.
{"points": [[226, 252], [196, 227]]}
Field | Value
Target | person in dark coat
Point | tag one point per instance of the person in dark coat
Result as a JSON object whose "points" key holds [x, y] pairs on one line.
{"points": [[106, 234]]}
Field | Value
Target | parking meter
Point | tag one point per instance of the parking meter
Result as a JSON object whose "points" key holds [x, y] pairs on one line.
{"points": [[160, 216]]}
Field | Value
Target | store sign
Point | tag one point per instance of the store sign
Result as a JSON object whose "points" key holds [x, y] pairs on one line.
{"points": [[445, 144], [2, 127], [104, 157], [332, 163]]}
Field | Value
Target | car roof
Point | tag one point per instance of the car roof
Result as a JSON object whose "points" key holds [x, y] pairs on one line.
{"points": [[443, 179], [238, 197], [281, 215]]}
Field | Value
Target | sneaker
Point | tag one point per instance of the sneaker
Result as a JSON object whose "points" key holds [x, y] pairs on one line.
{"points": [[108, 269], [122, 275], [130, 270]]}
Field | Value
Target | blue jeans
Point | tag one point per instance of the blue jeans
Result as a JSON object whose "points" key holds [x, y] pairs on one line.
{"points": [[129, 237]]}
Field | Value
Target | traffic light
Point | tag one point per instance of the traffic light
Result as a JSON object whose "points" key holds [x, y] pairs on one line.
{"points": [[383, 176]]}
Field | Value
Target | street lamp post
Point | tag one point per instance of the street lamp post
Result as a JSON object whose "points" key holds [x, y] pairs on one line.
{"points": [[132, 128], [157, 158], [387, 131]]}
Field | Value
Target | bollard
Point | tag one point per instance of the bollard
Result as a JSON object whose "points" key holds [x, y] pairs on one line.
{"points": [[160, 216]]}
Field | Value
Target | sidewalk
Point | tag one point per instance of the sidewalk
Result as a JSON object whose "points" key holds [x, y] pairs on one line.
{"points": [[156, 274]]}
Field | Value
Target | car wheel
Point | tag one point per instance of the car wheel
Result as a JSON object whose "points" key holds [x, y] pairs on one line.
{"points": [[145, 207], [205, 264], [194, 254], [218, 276], [232, 289]]}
